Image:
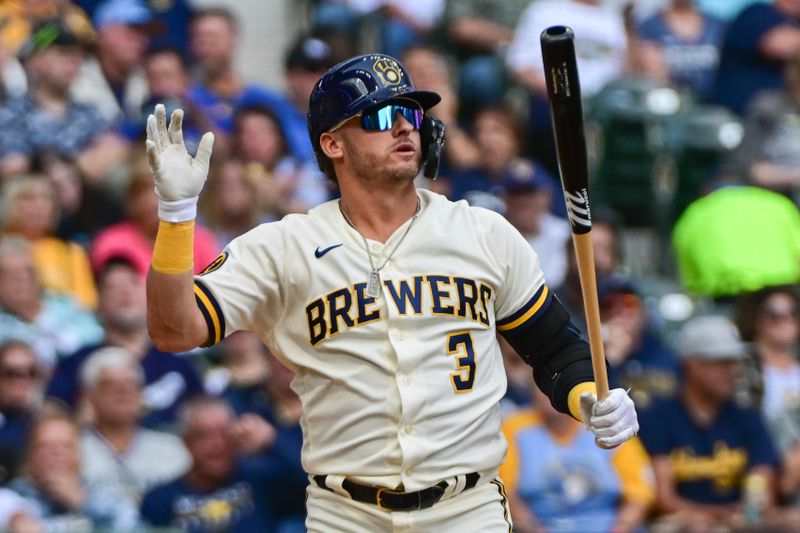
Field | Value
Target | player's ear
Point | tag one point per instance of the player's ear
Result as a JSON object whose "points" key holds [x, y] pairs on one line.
{"points": [[331, 145]]}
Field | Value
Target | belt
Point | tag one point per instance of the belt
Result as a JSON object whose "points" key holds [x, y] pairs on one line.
{"points": [[392, 500]]}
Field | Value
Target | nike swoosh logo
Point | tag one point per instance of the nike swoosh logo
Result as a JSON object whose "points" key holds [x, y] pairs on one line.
{"points": [[319, 253]]}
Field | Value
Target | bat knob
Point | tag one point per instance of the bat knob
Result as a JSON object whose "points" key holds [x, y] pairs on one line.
{"points": [[555, 34]]}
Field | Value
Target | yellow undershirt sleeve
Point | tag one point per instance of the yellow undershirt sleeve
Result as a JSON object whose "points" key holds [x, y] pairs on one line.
{"points": [[174, 249]]}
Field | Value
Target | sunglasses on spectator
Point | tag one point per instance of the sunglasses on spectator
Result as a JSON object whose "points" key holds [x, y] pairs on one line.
{"points": [[383, 118], [19, 373], [777, 315]]}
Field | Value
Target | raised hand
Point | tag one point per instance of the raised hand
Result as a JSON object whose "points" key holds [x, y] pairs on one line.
{"points": [[179, 178]]}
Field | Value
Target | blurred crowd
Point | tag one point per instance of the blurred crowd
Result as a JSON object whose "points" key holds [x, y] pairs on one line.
{"points": [[692, 122]]}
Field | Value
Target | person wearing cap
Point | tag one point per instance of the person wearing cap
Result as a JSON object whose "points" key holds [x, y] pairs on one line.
{"points": [[704, 446], [638, 357], [47, 121], [112, 80]]}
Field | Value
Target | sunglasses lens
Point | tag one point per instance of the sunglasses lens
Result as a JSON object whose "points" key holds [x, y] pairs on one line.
{"points": [[382, 119]]}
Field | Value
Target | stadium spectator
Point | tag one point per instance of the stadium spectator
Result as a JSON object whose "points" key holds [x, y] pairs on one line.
{"points": [[559, 480], [218, 88], [736, 240], [638, 359], [112, 81], [134, 237], [170, 380], [498, 138], [116, 451], [681, 45], [284, 183], [478, 32], [602, 49], [53, 487], [48, 119], [21, 388], [306, 61], [168, 80], [767, 156], [232, 206], [16, 515], [607, 248], [757, 45], [768, 321], [221, 491], [528, 195], [709, 446], [430, 71], [30, 210], [53, 325], [243, 373]]}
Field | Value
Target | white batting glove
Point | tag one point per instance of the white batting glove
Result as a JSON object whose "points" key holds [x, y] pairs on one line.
{"points": [[613, 419], [179, 177]]}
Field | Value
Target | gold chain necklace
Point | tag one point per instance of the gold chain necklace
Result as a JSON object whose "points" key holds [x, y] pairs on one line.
{"points": [[374, 280]]}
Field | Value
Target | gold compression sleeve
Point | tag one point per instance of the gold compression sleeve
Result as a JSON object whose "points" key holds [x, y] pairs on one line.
{"points": [[174, 249], [574, 397]]}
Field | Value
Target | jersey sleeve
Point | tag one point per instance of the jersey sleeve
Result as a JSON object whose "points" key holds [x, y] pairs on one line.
{"points": [[523, 296], [241, 288]]}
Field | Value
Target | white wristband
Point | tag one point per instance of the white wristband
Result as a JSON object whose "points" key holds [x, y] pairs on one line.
{"points": [[178, 210]]}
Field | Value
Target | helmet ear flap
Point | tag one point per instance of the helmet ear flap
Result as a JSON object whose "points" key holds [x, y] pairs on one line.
{"points": [[432, 139]]}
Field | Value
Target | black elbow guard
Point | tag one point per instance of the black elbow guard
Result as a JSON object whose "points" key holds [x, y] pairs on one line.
{"points": [[553, 346]]}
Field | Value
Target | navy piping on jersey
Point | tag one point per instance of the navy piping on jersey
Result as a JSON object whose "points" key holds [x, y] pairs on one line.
{"points": [[212, 313], [529, 312]]}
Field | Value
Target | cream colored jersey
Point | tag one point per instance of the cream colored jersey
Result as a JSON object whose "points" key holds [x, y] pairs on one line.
{"points": [[399, 388]]}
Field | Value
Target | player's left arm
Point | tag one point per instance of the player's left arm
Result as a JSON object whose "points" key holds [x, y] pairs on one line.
{"points": [[534, 322]]}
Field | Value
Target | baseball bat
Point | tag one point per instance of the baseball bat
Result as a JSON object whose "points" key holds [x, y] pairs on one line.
{"points": [[564, 92]]}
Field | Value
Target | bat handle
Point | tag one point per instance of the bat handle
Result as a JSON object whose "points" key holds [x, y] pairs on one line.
{"points": [[585, 258]]}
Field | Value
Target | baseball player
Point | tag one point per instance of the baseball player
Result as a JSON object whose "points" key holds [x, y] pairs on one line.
{"points": [[385, 304]]}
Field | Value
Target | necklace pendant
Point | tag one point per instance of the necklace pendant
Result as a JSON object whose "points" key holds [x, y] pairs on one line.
{"points": [[374, 284]]}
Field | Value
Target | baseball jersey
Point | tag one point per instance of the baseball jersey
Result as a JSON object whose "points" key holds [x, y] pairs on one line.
{"points": [[403, 387]]}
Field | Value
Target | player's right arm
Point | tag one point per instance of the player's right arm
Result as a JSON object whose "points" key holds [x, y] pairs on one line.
{"points": [[174, 320]]}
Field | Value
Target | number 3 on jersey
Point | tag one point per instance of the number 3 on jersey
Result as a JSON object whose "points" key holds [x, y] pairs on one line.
{"points": [[460, 345]]}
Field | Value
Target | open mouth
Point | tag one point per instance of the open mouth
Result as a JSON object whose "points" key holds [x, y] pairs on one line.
{"points": [[406, 148]]}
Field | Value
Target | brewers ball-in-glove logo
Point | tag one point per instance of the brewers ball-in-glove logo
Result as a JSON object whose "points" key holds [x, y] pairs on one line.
{"points": [[215, 264], [388, 71]]}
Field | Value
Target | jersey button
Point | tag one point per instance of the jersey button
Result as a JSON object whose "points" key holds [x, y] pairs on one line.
{"points": [[408, 430], [375, 247], [409, 472]]}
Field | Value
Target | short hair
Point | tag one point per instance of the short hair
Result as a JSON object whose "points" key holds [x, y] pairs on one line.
{"points": [[108, 358], [17, 187], [750, 305], [264, 111], [169, 50], [219, 12], [189, 409]]}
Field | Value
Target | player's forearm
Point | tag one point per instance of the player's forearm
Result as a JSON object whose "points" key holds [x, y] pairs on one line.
{"points": [[174, 321]]}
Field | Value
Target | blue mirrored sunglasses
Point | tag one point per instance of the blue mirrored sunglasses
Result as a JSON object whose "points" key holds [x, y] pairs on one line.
{"points": [[383, 118]]}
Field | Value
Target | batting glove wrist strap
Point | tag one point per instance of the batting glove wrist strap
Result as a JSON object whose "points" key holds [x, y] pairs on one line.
{"points": [[177, 210]]}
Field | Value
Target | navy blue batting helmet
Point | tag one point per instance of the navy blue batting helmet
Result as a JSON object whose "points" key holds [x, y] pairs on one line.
{"points": [[356, 85]]}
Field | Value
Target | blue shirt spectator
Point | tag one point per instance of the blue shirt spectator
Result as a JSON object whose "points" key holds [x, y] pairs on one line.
{"points": [[243, 503], [709, 462], [702, 444], [222, 491], [169, 381], [691, 61], [749, 61]]}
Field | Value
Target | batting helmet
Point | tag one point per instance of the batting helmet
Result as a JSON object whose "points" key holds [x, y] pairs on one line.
{"points": [[363, 82]]}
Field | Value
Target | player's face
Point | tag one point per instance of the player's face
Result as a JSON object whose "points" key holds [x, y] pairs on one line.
{"points": [[392, 155]]}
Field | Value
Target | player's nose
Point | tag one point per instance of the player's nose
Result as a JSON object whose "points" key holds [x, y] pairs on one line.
{"points": [[401, 125]]}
